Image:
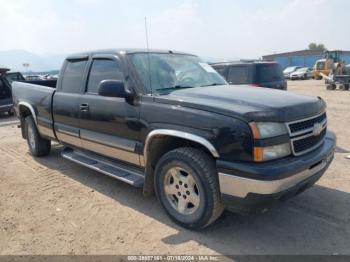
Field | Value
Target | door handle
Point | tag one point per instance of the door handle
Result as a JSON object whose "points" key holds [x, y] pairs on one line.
{"points": [[84, 107]]}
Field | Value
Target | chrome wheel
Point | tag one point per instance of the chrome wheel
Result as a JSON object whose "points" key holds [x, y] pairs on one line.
{"points": [[181, 190], [31, 137]]}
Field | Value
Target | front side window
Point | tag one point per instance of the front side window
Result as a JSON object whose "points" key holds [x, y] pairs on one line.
{"points": [[167, 72], [73, 76], [103, 70]]}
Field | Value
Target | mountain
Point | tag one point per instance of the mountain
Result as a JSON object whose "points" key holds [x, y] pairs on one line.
{"points": [[15, 59]]}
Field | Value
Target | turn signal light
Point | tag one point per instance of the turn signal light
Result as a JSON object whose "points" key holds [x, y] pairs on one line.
{"points": [[255, 130], [258, 154]]}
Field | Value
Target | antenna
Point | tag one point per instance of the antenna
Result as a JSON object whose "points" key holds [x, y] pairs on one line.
{"points": [[146, 29], [148, 56]]}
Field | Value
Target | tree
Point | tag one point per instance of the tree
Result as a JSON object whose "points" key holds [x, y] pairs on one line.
{"points": [[314, 46]]}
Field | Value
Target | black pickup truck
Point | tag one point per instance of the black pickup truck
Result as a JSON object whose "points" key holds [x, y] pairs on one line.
{"points": [[169, 123]]}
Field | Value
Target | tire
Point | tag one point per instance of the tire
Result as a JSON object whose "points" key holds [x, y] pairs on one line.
{"points": [[38, 146], [346, 87], [331, 87], [191, 178]]}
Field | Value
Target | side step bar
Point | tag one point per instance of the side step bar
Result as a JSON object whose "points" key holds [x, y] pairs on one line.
{"points": [[123, 172]]}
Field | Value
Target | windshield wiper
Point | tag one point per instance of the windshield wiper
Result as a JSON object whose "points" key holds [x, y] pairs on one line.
{"points": [[174, 87], [212, 84]]}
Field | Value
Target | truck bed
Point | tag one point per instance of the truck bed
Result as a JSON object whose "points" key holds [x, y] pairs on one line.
{"points": [[38, 97]]}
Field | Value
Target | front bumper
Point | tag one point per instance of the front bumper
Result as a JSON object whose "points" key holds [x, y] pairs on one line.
{"points": [[241, 183]]}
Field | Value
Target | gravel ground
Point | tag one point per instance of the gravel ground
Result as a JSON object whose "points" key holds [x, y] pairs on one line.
{"points": [[52, 206]]}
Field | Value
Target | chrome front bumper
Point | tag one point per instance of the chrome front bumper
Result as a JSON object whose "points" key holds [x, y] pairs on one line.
{"points": [[241, 187]]}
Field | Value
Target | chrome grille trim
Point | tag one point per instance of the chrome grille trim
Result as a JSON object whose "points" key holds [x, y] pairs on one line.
{"points": [[323, 123], [305, 133], [303, 120], [309, 149]]}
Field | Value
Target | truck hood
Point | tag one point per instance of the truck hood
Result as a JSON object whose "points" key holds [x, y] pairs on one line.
{"points": [[247, 103]]}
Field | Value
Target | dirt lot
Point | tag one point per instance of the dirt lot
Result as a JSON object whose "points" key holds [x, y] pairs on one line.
{"points": [[52, 206]]}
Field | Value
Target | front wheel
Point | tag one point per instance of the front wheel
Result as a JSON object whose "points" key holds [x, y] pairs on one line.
{"points": [[38, 146], [187, 186]]}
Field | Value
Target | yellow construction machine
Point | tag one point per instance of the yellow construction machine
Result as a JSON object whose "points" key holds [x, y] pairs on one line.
{"points": [[330, 64]]}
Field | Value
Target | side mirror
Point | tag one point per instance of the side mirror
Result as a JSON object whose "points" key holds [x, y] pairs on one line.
{"points": [[113, 88]]}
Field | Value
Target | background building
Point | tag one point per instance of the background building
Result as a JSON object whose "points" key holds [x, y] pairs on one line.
{"points": [[305, 58]]}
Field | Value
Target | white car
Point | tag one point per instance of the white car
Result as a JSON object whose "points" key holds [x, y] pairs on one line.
{"points": [[302, 73], [289, 70]]}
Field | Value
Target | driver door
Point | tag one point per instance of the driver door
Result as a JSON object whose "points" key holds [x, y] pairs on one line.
{"points": [[107, 123]]}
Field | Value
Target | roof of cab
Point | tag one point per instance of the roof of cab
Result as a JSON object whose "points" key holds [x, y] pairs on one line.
{"points": [[125, 51]]}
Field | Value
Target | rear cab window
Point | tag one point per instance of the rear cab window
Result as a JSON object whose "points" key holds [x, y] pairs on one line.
{"points": [[72, 81], [270, 72]]}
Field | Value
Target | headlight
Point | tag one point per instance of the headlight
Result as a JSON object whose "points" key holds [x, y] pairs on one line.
{"points": [[271, 152], [263, 130], [266, 130]]}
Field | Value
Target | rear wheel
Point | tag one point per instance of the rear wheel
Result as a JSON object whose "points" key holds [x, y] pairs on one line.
{"points": [[38, 146], [187, 186]]}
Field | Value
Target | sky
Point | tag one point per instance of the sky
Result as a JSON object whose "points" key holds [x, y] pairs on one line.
{"points": [[220, 29]]}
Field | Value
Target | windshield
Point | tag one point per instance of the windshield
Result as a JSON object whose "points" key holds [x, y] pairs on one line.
{"points": [[289, 69], [173, 71]]}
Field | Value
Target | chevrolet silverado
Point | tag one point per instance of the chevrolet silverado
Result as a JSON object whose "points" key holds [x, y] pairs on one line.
{"points": [[169, 123]]}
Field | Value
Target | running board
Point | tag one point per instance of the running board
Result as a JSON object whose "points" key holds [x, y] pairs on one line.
{"points": [[123, 172]]}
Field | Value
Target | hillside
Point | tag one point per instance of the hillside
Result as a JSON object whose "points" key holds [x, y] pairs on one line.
{"points": [[14, 59]]}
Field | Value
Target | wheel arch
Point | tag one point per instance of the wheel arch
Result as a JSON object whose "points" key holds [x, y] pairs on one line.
{"points": [[24, 110], [161, 141]]}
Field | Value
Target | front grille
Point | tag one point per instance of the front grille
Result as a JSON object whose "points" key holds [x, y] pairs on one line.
{"points": [[306, 124], [308, 143], [304, 135]]}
